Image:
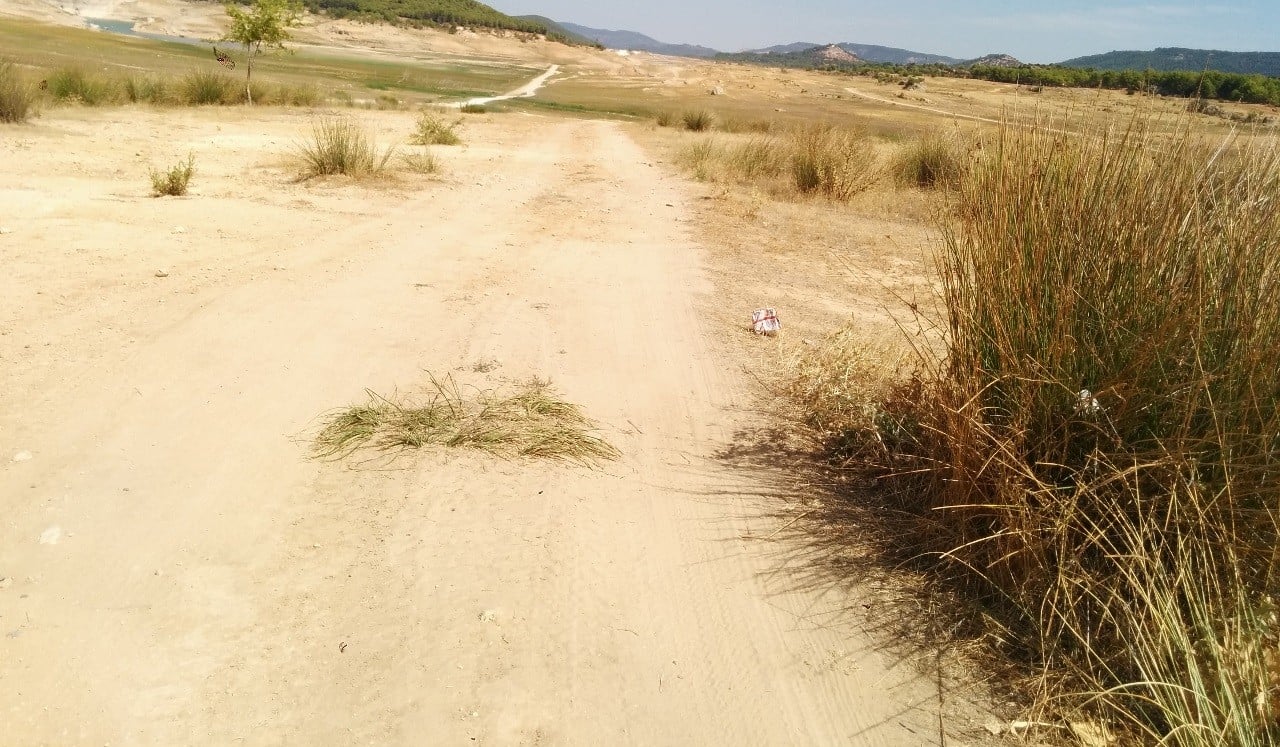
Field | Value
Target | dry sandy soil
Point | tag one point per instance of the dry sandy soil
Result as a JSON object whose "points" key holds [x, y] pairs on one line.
{"points": [[178, 571]]}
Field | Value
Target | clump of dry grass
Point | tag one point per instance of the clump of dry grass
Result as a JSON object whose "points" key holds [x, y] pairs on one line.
{"points": [[697, 120], [424, 162], [341, 146], [819, 159], [18, 96], [930, 161], [1090, 454], [837, 163], [529, 421]]}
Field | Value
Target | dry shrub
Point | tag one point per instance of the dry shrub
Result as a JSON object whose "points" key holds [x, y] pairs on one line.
{"points": [[1122, 541]]}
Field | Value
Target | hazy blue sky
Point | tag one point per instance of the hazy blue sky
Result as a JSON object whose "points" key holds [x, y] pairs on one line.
{"points": [[1031, 30]]}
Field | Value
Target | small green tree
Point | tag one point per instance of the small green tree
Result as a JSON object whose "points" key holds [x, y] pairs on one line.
{"points": [[265, 24]]}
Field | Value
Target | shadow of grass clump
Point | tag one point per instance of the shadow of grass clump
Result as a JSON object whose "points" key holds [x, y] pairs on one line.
{"points": [[527, 422]]}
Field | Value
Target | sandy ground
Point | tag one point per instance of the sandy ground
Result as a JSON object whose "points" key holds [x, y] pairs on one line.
{"points": [[179, 572]]}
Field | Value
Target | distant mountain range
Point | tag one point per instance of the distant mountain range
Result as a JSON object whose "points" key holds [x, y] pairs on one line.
{"points": [[1177, 58], [636, 41], [811, 54]]}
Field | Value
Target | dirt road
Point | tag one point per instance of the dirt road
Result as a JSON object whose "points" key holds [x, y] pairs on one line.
{"points": [[181, 573], [523, 92]]}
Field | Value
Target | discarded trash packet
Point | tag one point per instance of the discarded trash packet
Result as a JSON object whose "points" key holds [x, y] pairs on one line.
{"points": [[765, 321]]}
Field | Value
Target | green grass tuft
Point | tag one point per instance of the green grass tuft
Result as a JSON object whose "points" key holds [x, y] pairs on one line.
{"points": [[74, 85], [174, 181], [202, 88]]}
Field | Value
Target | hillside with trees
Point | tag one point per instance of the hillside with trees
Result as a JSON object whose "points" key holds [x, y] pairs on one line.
{"points": [[425, 12], [1168, 59]]}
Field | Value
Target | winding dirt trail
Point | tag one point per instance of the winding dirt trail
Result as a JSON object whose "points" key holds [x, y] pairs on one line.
{"points": [[523, 92], [181, 573]]}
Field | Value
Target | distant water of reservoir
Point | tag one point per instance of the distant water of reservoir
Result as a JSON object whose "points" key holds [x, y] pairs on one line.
{"points": [[126, 28]]}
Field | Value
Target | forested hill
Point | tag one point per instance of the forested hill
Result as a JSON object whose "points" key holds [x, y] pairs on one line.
{"points": [[1177, 58], [431, 12]]}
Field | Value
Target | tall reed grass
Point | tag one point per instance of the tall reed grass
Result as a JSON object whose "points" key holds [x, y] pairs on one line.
{"points": [[341, 146], [1093, 451], [818, 159], [18, 95], [196, 88]]}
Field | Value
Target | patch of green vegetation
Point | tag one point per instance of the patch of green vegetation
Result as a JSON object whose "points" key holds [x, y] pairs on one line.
{"points": [[75, 85], [568, 108], [445, 13], [432, 129], [173, 182], [304, 75]]}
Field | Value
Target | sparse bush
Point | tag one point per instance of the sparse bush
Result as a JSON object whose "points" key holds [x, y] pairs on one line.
{"points": [[837, 163], [697, 120], [75, 85], [424, 162], [473, 109], [18, 96], [930, 161], [432, 129], [200, 88], [1089, 453], [174, 181], [340, 146], [665, 119]]}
